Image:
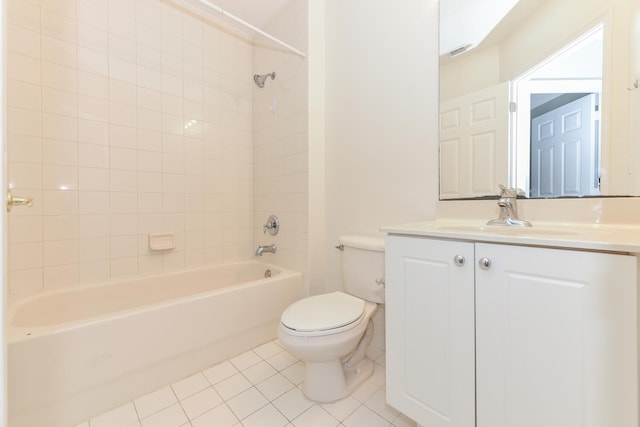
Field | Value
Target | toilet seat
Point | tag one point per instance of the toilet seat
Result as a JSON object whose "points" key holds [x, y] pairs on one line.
{"points": [[324, 314]]}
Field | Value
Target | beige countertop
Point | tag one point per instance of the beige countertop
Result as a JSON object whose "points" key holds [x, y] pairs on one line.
{"points": [[598, 237]]}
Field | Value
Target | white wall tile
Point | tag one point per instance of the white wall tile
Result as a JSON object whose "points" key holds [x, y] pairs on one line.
{"points": [[149, 99], [149, 161], [123, 25], [55, 152], [93, 225], [58, 202], [150, 264], [25, 148], [93, 156], [151, 203], [24, 122], [24, 283], [149, 182], [94, 272], [128, 106], [25, 255], [25, 175], [93, 179], [123, 158], [92, 37], [93, 13], [59, 52], [122, 136], [93, 202], [123, 246], [63, 7], [58, 26], [93, 108], [24, 14], [57, 126], [122, 92], [122, 268], [122, 114], [23, 68], [122, 70], [59, 76], [91, 84], [93, 132], [60, 227], [60, 276], [24, 95], [150, 222], [60, 177], [25, 229], [60, 252], [92, 250]]}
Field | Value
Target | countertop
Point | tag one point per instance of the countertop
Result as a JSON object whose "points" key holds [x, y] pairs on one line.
{"points": [[598, 237]]}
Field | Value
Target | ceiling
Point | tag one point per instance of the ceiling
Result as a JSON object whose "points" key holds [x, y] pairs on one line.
{"points": [[465, 23]]}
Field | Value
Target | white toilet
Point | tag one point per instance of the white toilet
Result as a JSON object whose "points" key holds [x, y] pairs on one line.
{"points": [[331, 332]]}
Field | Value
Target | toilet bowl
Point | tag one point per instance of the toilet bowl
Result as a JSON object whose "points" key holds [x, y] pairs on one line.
{"points": [[331, 332]]}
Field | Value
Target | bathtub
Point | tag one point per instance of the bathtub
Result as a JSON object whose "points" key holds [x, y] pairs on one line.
{"points": [[75, 353]]}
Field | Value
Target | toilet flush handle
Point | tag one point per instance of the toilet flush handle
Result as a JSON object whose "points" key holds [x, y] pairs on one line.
{"points": [[380, 282]]}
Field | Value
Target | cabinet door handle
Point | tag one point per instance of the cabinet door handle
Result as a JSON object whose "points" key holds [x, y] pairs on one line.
{"points": [[485, 263], [458, 260]]}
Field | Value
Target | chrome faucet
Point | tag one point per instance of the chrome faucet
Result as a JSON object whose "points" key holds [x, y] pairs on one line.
{"points": [[263, 249], [508, 209]]}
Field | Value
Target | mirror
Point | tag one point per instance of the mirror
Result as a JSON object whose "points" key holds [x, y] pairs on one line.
{"points": [[540, 95]]}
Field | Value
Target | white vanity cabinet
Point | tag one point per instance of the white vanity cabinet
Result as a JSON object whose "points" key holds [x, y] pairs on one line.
{"points": [[494, 335]]}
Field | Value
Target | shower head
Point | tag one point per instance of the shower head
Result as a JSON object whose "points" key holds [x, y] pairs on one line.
{"points": [[261, 78]]}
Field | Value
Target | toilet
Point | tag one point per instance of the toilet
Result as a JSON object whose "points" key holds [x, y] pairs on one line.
{"points": [[331, 332]]}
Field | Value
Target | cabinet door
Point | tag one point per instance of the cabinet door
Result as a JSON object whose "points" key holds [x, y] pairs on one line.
{"points": [[556, 342], [430, 331]]}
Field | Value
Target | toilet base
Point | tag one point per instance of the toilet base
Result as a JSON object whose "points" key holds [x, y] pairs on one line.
{"points": [[332, 381]]}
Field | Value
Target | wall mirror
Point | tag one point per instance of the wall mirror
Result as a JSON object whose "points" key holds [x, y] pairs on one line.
{"points": [[539, 95]]}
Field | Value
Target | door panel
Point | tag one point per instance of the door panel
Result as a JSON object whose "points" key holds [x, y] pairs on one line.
{"points": [[473, 152], [430, 331], [564, 151], [556, 341]]}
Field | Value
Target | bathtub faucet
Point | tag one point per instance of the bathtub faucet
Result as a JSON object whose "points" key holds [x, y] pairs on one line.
{"points": [[262, 249]]}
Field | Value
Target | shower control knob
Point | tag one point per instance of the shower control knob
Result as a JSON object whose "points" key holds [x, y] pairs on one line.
{"points": [[458, 260], [485, 263], [272, 225]]}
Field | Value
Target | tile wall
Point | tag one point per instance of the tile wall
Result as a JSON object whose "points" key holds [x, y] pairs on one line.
{"points": [[128, 117], [280, 137]]}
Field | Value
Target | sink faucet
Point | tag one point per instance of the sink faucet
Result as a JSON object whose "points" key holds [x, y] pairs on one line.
{"points": [[508, 209], [263, 249]]}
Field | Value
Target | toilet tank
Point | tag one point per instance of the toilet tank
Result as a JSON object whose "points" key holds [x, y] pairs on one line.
{"points": [[363, 267]]}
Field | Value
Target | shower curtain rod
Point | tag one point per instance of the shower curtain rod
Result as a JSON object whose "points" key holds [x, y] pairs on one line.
{"points": [[251, 27]]}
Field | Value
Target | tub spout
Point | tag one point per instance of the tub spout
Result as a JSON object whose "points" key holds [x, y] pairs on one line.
{"points": [[262, 249]]}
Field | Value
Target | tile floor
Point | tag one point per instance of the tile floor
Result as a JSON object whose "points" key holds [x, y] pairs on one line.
{"points": [[259, 388]]}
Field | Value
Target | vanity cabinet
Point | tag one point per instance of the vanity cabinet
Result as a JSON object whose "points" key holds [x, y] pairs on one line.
{"points": [[495, 335]]}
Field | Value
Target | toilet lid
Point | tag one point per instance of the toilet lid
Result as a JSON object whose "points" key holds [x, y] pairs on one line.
{"points": [[323, 312]]}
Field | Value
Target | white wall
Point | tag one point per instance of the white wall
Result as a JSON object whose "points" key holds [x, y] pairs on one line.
{"points": [[381, 118]]}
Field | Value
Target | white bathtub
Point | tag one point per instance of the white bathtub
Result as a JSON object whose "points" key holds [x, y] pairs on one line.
{"points": [[73, 354]]}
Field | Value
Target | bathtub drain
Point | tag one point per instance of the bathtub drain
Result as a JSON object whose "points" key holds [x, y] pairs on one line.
{"points": [[267, 273]]}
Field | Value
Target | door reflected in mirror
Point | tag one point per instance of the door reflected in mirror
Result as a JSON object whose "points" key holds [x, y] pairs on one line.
{"points": [[541, 103], [556, 122]]}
